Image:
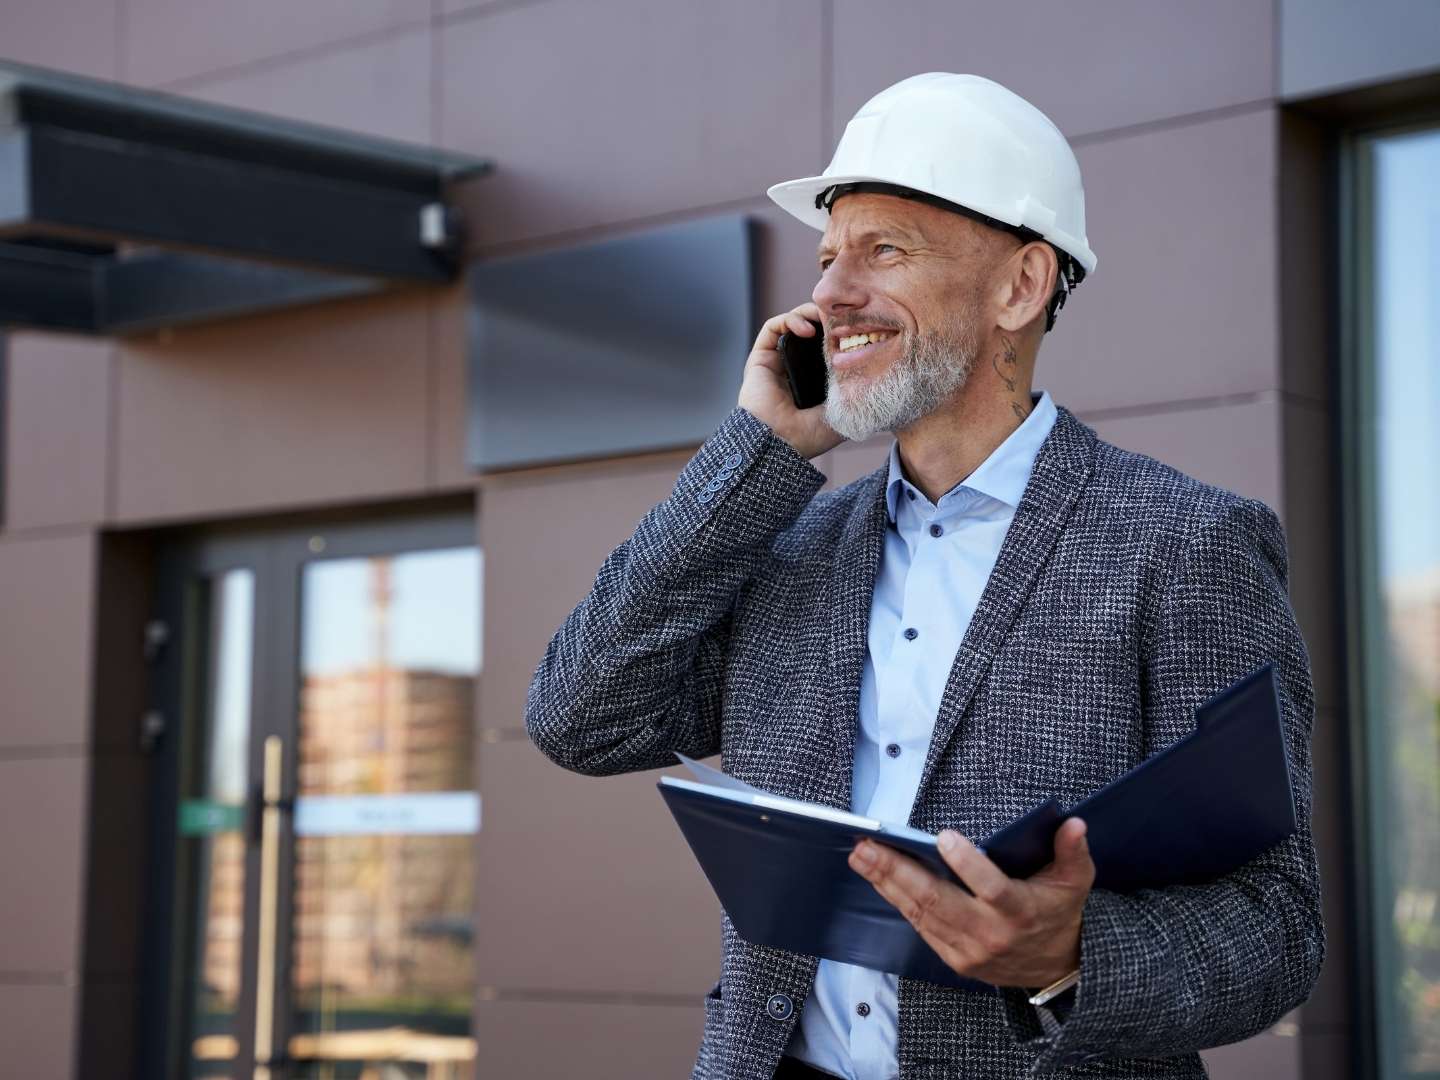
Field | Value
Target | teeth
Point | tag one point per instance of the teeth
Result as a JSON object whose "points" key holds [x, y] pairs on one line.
{"points": [[855, 341]]}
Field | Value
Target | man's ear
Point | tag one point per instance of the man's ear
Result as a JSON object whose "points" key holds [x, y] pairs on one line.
{"points": [[1026, 285]]}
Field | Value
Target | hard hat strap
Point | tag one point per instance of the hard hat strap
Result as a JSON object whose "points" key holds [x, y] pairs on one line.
{"points": [[1071, 273], [826, 199]]}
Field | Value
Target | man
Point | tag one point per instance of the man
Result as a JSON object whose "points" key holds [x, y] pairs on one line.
{"points": [[1008, 609]]}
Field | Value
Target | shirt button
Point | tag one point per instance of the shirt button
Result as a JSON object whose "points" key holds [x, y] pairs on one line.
{"points": [[733, 460], [911, 633], [909, 494], [936, 530], [779, 1007], [893, 749], [863, 1009]]}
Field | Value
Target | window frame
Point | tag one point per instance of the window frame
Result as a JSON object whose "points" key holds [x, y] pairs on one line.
{"points": [[1373, 1008]]}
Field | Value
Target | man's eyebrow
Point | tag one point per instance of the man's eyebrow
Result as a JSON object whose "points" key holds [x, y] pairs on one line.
{"points": [[890, 232]]}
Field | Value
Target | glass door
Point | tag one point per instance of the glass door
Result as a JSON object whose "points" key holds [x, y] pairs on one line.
{"points": [[1393, 523], [385, 814], [314, 705]]}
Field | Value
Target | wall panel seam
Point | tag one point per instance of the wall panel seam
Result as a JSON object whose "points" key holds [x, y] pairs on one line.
{"points": [[43, 751], [1177, 405], [480, 11], [550, 241], [1172, 123], [262, 64], [547, 996]]}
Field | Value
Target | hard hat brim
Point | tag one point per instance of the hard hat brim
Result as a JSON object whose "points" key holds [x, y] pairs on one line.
{"points": [[797, 198]]}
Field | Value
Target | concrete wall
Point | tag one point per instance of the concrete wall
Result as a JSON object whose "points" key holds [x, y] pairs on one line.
{"points": [[604, 115]]}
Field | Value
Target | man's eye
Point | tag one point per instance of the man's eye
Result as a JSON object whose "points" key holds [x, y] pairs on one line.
{"points": [[886, 247], [825, 264]]}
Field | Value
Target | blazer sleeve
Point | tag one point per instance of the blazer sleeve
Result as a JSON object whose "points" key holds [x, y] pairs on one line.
{"points": [[1175, 970], [636, 671]]}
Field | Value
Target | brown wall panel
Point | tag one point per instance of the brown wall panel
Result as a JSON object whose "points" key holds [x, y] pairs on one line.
{"points": [[1236, 446], [37, 1030], [564, 856], [1266, 1056], [308, 407], [167, 40], [562, 1040], [48, 588], [1183, 302], [544, 534], [1089, 67], [57, 429], [378, 87], [621, 125], [449, 387], [42, 800], [83, 40], [586, 885]]}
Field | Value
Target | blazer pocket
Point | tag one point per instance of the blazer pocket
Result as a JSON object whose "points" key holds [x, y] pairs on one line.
{"points": [[1066, 713]]}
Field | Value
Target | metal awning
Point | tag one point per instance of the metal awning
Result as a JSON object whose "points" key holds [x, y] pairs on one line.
{"points": [[124, 209]]}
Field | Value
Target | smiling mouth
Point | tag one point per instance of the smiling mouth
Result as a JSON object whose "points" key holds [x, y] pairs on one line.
{"points": [[853, 342]]}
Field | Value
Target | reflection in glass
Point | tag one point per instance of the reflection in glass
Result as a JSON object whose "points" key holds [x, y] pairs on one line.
{"points": [[211, 823], [1402, 661], [381, 962]]}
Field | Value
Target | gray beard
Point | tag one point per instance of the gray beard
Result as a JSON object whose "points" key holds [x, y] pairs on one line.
{"points": [[932, 368]]}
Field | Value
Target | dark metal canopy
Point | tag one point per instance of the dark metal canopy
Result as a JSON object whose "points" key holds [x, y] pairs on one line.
{"points": [[125, 210]]}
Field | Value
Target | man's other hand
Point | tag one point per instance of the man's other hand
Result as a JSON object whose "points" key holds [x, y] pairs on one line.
{"points": [[765, 391], [1010, 932]]}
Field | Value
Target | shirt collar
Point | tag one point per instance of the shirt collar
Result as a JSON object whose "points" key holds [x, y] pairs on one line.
{"points": [[1003, 475]]}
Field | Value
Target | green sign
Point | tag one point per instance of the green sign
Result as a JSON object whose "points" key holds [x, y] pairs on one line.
{"points": [[204, 817]]}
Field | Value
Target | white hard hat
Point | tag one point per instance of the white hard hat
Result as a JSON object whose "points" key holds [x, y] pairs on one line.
{"points": [[961, 140]]}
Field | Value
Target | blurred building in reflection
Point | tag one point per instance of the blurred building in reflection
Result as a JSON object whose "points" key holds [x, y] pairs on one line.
{"points": [[383, 915]]}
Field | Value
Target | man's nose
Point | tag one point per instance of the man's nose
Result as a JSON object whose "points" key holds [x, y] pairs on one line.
{"points": [[840, 288]]}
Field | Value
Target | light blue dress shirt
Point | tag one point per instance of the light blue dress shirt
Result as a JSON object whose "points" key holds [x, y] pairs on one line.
{"points": [[936, 562]]}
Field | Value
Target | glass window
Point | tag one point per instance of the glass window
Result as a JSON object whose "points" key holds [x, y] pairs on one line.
{"points": [[1395, 529], [385, 815]]}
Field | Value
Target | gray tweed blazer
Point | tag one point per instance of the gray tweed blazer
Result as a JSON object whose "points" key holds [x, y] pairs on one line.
{"points": [[734, 621]]}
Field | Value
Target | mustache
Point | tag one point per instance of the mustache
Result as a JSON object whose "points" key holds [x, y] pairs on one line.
{"points": [[860, 318]]}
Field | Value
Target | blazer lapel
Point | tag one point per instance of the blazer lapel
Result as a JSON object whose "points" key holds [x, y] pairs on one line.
{"points": [[1061, 471], [851, 586]]}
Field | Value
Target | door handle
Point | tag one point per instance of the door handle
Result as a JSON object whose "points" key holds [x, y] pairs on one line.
{"points": [[273, 805]]}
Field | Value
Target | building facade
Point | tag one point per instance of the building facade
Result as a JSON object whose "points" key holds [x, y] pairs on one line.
{"points": [[246, 572]]}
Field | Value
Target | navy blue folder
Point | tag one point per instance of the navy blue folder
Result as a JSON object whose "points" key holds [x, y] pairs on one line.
{"points": [[1205, 805]]}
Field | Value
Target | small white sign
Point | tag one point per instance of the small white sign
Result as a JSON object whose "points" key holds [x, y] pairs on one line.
{"points": [[435, 813]]}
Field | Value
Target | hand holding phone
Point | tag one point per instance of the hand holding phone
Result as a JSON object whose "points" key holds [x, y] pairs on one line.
{"points": [[783, 384], [804, 360]]}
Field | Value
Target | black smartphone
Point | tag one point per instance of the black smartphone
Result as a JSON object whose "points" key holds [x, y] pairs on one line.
{"points": [[804, 360]]}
